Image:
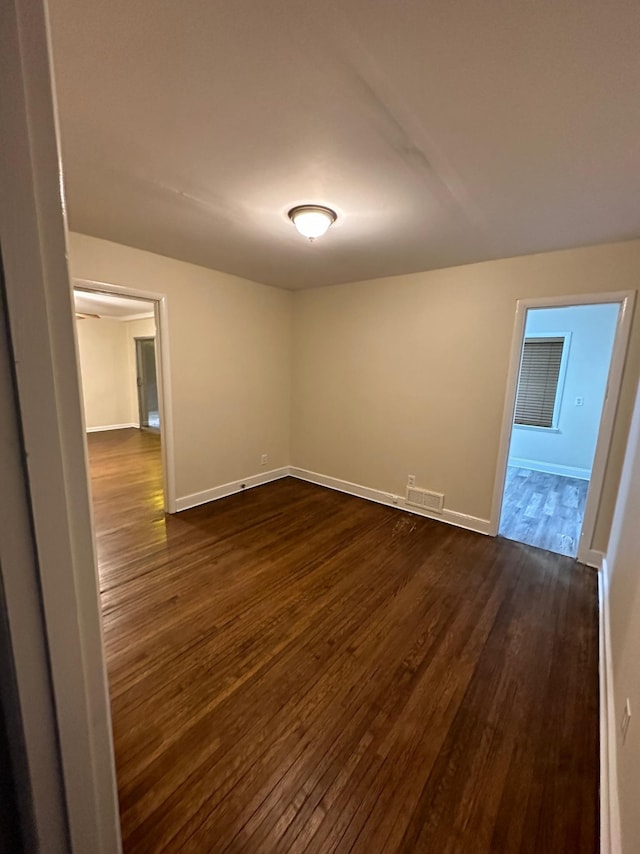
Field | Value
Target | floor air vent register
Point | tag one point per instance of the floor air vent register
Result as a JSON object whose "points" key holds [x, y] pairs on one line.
{"points": [[433, 501]]}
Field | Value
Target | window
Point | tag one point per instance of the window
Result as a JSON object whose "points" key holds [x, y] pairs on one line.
{"points": [[537, 400]]}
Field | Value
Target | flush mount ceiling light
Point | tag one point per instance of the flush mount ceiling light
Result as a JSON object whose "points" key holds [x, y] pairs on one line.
{"points": [[312, 220]]}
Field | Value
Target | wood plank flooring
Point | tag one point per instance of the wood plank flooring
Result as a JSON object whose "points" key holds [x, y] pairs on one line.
{"points": [[293, 669], [543, 510]]}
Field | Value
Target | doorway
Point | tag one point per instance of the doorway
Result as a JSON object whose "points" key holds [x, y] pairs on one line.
{"points": [[564, 379], [124, 364], [147, 384]]}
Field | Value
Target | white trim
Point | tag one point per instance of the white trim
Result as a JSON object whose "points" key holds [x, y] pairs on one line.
{"points": [[550, 468], [593, 558], [610, 832], [451, 517], [112, 427], [508, 414], [607, 420], [165, 403], [165, 396], [576, 299], [25, 681], [226, 489], [47, 383], [626, 299], [536, 428], [111, 288]]}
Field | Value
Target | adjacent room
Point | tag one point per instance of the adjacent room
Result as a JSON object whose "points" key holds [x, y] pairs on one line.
{"points": [[562, 381], [117, 357], [354, 288], [118, 361]]}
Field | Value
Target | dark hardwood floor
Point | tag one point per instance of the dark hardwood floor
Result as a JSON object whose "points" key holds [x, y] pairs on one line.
{"points": [[293, 669], [543, 510]]}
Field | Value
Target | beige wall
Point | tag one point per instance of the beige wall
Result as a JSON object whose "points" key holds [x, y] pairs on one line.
{"points": [[407, 375], [386, 378], [105, 369], [230, 342], [623, 565], [107, 353]]}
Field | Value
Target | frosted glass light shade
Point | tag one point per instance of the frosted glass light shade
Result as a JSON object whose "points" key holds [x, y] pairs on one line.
{"points": [[312, 220]]}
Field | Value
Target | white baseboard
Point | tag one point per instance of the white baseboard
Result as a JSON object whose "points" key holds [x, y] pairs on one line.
{"points": [[610, 837], [451, 517], [226, 489], [550, 468], [111, 427]]}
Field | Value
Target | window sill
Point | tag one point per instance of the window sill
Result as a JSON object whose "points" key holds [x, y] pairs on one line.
{"points": [[537, 429]]}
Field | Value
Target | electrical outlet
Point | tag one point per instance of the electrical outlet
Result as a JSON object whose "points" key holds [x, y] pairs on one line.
{"points": [[394, 500], [411, 480], [626, 720], [579, 401], [263, 460]]}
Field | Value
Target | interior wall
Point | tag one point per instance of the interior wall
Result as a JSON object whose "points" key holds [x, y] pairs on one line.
{"points": [[143, 328], [105, 371], [407, 375], [624, 617], [230, 346], [572, 444], [395, 376]]}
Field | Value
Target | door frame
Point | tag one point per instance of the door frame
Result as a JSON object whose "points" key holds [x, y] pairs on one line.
{"points": [[138, 349], [51, 599], [163, 364], [626, 300]]}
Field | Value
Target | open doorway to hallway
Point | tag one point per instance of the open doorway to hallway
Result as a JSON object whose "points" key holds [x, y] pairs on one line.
{"points": [[564, 368]]}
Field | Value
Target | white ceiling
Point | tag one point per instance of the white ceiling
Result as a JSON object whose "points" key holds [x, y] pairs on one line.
{"points": [[111, 306], [441, 132]]}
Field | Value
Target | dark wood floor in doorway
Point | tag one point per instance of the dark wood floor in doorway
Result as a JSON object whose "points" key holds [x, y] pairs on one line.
{"points": [[543, 510], [293, 669]]}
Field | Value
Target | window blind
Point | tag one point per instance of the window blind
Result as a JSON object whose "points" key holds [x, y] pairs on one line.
{"points": [[538, 381]]}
